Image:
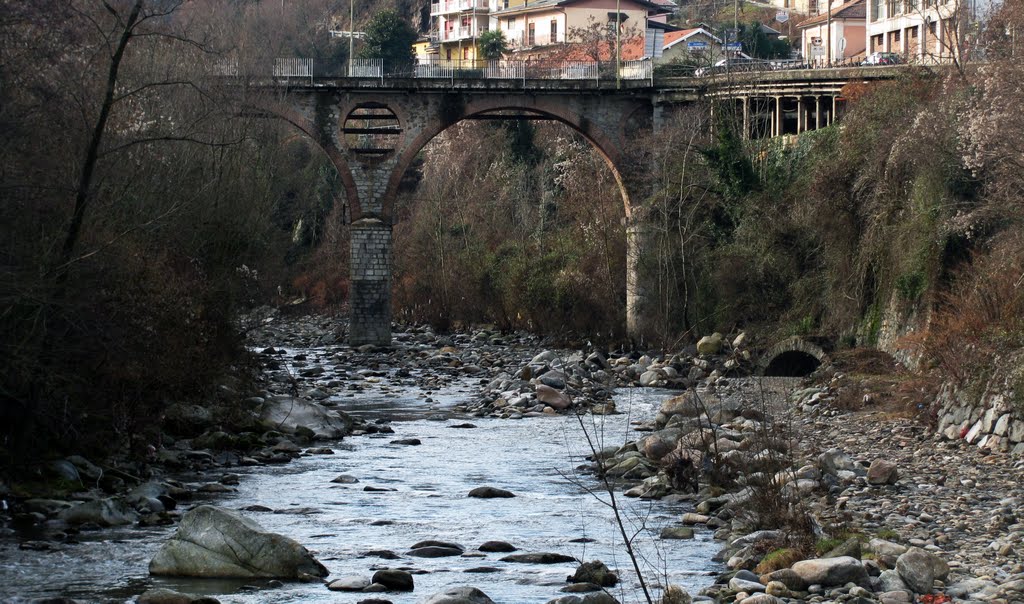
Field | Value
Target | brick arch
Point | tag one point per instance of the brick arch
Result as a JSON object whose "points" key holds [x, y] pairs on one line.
{"points": [[338, 160], [604, 142]]}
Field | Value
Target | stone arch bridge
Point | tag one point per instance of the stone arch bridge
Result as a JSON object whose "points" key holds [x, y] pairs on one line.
{"points": [[372, 129]]}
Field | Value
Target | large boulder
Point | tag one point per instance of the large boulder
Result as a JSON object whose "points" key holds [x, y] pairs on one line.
{"points": [[831, 571], [595, 572], [290, 414], [459, 595], [919, 569], [882, 472], [214, 542], [553, 398], [710, 344]]}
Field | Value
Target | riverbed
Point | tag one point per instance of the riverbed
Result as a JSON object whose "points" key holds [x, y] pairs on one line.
{"points": [[419, 492]]}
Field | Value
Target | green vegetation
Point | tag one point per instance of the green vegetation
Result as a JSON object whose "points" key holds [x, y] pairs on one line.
{"points": [[492, 44], [390, 37]]}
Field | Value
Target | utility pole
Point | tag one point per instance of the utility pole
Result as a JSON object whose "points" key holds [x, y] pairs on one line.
{"points": [[618, 45], [828, 32]]}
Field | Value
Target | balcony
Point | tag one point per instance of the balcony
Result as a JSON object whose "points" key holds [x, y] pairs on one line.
{"points": [[458, 6], [455, 34], [519, 39]]}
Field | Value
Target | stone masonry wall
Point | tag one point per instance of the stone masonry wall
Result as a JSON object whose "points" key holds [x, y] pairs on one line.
{"points": [[991, 417], [370, 300]]}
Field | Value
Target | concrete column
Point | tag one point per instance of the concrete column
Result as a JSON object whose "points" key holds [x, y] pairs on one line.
{"points": [[800, 125], [746, 117], [817, 112], [832, 116], [370, 272], [637, 316]]}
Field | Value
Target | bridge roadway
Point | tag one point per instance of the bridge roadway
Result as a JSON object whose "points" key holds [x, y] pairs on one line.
{"points": [[373, 128]]}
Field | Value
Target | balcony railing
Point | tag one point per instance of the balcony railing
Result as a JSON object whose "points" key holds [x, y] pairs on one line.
{"points": [[457, 6], [456, 33], [518, 39]]}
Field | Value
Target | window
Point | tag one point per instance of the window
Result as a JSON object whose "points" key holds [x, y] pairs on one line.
{"points": [[504, 4], [554, 31], [531, 35], [893, 8], [896, 36], [465, 53], [876, 10]]}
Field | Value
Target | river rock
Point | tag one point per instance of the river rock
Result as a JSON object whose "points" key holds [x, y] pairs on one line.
{"points": [[104, 512], [549, 396], [890, 580], [676, 532], [831, 571], [433, 551], [738, 584], [497, 546], [538, 558], [214, 542], [349, 583], [886, 552], [597, 597], [167, 596], [290, 414], [394, 579], [594, 572], [919, 569], [850, 547], [787, 577], [345, 479], [882, 472], [459, 595], [761, 599], [709, 345], [834, 461], [490, 493]]}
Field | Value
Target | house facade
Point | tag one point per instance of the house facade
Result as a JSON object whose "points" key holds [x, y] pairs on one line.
{"points": [[536, 25], [920, 30], [846, 34], [695, 45]]}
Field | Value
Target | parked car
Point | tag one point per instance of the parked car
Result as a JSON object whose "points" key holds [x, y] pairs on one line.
{"points": [[882, 58]]}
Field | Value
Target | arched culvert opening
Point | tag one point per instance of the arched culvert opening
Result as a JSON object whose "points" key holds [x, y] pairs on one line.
{"points": [[792, 363]]}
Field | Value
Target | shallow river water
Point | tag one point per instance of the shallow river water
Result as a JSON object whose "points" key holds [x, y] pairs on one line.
{"points": [[555, 508]]}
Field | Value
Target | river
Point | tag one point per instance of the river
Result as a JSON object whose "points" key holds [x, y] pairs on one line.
{"points": [[556, 509]]}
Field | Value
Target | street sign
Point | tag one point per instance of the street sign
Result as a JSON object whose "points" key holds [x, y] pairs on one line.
{"points": [[781, 17], [734, 46], [691, 46]]}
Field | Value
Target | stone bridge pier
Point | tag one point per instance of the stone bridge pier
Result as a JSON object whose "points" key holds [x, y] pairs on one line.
{"points": [[372, 136]]}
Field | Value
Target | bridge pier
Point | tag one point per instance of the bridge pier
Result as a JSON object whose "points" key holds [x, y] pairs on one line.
{"points": [[370, 277], [637, 243]]}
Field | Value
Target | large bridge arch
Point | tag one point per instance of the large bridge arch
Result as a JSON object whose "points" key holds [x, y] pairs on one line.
{"points": [[607, 145], [344, 123]]}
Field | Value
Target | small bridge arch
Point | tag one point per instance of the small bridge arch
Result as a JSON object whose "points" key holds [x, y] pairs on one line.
{"points": [[795, 356]]}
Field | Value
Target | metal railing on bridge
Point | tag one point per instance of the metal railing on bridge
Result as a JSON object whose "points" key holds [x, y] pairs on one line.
{"points": [[433, 68], [293, 68]]}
